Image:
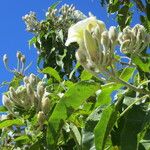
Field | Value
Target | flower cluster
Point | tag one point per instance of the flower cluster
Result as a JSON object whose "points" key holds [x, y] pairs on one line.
{"points": [[32, 95], [133, 40], [66, 14], [31, 22], [61, 19], [21, 64], [96, 43]]}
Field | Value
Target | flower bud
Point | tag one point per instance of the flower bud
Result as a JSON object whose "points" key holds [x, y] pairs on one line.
{"points": [[125, 46], [91, 45], [105, 40], [19, 55], [136, 28], [6, 102], [40, 89], [23, 59], [140, 35], [30, 93], [45, 105], [32, 79], [25, 80], [5, 59], [81, 56], [41, 118], [97, 33], [147, 38], [113, 34], [13, 94]]}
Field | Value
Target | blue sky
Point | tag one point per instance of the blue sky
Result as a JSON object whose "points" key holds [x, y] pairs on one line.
{"points": [[13, 36]]}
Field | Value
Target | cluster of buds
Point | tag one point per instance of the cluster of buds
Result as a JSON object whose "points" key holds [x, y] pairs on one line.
{"points": [[61, 19], [21, 62], [134, 40], [31, 22], [32, 95], [66, 14], [96, 43]]}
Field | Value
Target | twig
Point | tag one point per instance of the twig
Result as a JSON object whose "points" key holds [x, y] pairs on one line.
{"points": [[130, 106]]}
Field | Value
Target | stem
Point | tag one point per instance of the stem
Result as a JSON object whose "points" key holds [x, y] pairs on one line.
{"points": [[22, 68], [148, 81], [18, 65], [132, 87], [130, 106], [96, 75]]}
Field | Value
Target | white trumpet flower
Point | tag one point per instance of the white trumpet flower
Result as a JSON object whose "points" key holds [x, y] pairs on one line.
{"points": [[96, 43], [76, 32]]}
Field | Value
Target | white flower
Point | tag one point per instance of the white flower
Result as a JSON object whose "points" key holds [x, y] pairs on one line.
{"points": [[96, 44], [76, 32]]}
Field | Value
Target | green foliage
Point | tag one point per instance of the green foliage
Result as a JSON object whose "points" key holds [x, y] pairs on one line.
{"points": [[124, 11], [50, 36], [108, 110], [52, 72], [7, 123], [104, 126], [66, 106]]}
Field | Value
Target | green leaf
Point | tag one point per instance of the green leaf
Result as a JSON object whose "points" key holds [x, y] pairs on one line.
{"points": [[85, 75], [142, 63], [59, 59], [104, 126], [74, 70], [144, 145], [52, 72], [70, 102], [4, 83], [127, 73], [36, 146], [76, 134], [87, 131], [105, 95], [145, 22], [22, 139], [114, 6], [124, 16], [3, 109], [61, 36], [134, 122], [106, 90], [53, 6], [32, 41], [7, 123], [16, 81]]}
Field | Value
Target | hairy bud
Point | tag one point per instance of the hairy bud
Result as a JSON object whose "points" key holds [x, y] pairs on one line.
{"points": [[113, 34], [30, 93], [105, 40], [5, 59], [13, 94], [133, 40], [23, 59], [45, 105], [41, 118], [25, 80], [40, 89], [19, 55], [6, 102], [32, 79]]}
